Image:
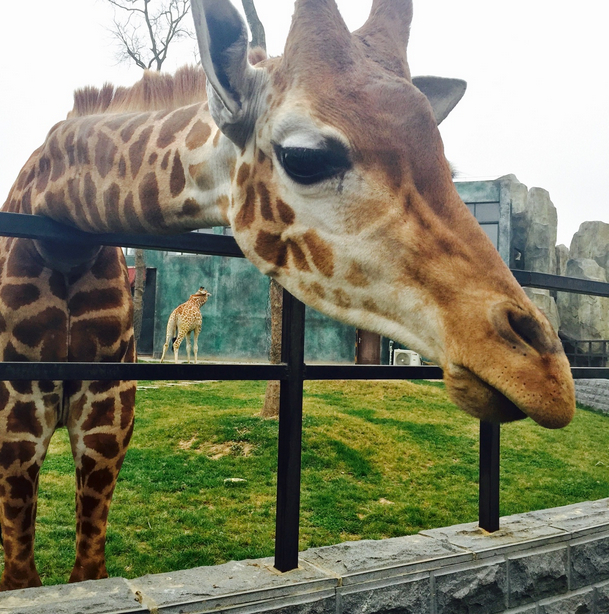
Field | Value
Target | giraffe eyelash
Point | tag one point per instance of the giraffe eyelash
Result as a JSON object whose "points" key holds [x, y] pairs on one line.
{"points": [[308, 166]]}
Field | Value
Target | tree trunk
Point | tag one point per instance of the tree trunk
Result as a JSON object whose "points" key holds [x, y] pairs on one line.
{"points": [[138, 293], [271, 396]]}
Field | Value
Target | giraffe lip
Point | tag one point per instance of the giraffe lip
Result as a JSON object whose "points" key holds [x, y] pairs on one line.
{"points": [[480, 398]]}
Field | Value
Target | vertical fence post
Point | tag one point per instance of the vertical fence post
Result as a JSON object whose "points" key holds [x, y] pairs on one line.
{"points": [[290, 435], [488, 502]]}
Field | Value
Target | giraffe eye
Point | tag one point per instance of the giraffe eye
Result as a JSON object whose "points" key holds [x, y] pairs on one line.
{"points": [[307, 166]]}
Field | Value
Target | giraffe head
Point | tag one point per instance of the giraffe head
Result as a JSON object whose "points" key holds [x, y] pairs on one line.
{"points": [[342, 193], [201, 293]]}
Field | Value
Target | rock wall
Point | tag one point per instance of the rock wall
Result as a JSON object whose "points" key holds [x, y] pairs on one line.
{"points": [[534, 231], [545, 562], [533, 247], [586, 317], [583, 316]]}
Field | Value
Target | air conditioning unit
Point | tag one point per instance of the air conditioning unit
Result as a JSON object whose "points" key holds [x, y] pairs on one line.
{"points": [[406, 358]]}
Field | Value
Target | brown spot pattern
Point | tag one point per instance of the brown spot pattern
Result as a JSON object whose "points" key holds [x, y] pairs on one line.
{"points": [[165, 160], [246, 215], [190, 208], [122, 168], [12, 355], [129, 130], [271, 248], [137, 150], [105, 152], [90, 194], [298, 256], [286, 213], [50, 323], [20, 262], [111, 203], [101, 386], [20, 451], [16, 296], [100, 480], [56, 204], [22, 419], [107, 265], [21, 488], [101, 414], [149, 199], [243, 174], [198, 135], [22, 386], [175, 122], [342, 299], [265, 202], [109, 298], [177, 179], [90, 335], [321, 253], [43, 174], [356, 276], [103, 443], [131, 215], [57, 158]]}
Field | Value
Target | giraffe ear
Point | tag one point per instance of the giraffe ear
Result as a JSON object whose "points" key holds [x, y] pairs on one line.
{"points": [[443, 94], [233, 85]]}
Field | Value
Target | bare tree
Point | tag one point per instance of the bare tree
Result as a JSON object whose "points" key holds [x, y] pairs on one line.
{"points": [[270, 409], [148, 28], [144, 30], [144, 34]]}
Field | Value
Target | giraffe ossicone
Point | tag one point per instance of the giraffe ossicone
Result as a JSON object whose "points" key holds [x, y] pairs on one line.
{"points": [[185, 319], [328, 165]]}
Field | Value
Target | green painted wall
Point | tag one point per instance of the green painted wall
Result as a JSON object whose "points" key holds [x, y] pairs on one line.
{"points": [[236, 318]]}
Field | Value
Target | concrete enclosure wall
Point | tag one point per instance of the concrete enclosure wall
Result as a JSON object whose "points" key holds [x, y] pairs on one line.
{"points": [[236, 319], [552, 561]]}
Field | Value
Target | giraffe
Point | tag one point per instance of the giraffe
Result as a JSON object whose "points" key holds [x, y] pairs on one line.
{"points": [[184, 319], [328, 165]]}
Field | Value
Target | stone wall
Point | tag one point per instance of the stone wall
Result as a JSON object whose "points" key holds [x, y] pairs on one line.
{"points": [[593, 393], [552, 561], [582, 316], [534, 230]]}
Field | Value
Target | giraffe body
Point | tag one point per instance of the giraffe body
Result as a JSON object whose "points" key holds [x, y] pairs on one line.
{"points": [[185, 319], [328, 165]]}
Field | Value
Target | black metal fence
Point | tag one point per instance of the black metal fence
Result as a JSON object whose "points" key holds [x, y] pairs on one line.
{"points": [[587, 352], [291, 372]]}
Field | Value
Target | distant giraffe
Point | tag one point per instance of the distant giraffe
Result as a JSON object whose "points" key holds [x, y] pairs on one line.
{"points": [[184, 319], [327, 164]]}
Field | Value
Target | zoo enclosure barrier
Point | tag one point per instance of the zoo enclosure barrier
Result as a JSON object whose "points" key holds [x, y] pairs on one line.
{"points": [[291, 372]]}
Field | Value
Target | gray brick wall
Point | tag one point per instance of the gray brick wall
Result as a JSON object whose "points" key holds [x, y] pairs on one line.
{"points": [[593, 393], [552, 561]]}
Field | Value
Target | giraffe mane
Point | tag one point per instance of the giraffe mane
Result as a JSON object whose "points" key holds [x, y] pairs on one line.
{"points": [[155, 91]]}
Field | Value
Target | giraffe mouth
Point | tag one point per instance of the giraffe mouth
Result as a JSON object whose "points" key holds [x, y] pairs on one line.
{"points": [[479, 398]]}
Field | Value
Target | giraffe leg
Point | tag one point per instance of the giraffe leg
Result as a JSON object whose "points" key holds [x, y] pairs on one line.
{"points": [[100, 427], [195, 342], [28, 417], [176, 346], [165, 346], [188, 347]]}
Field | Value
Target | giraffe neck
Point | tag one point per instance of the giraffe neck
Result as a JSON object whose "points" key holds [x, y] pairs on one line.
{"points": [[143, 172], [198, 301]]}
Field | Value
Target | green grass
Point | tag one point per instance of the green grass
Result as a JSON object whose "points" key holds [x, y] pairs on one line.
{"points": [[380, 459]]}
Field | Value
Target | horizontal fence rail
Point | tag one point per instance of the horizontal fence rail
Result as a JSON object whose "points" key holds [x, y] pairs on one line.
{"points": [[291, 372]]}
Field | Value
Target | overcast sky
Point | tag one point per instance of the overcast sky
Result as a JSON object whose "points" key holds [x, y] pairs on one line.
{"points": [[536, 104]]}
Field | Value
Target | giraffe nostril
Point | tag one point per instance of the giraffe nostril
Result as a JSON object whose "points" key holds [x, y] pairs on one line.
{"points": [[517, 327]]}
